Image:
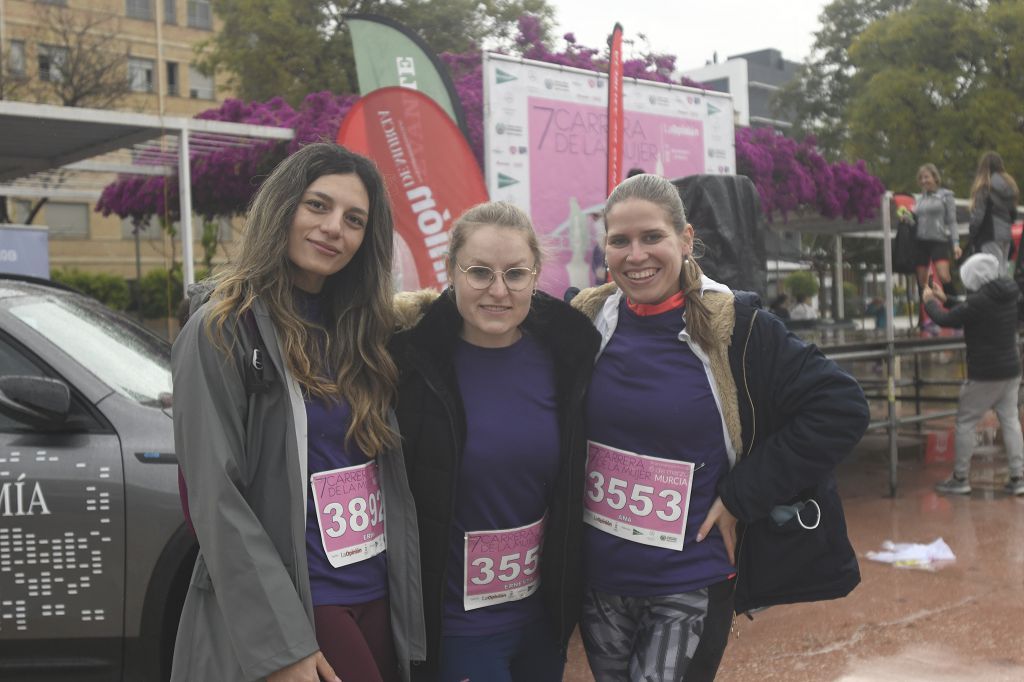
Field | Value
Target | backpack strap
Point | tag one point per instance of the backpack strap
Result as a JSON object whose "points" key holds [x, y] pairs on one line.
{"points": [[256, 379]]}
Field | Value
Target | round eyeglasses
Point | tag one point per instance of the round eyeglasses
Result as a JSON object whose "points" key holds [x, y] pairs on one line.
{"points": [[481, 277]]}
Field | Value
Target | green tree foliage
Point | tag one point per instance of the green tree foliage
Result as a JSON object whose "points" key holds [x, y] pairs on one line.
{"points": [[801, 283], [108, 289], [290, 48], [942, 81], [819, 96], [900, 83]]}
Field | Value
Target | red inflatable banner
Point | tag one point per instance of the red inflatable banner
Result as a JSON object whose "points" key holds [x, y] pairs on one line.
{"points": [[431, 174], [615, 112]]}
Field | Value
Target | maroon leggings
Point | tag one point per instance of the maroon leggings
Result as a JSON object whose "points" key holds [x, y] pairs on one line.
{"points": [[356, 641]]}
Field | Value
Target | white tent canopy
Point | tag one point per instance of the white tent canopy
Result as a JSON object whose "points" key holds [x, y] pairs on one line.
{"points": [[37, 140]]}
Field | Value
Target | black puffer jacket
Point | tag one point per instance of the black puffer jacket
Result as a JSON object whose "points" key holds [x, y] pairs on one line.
{"points": [[989, 320], [432, 421]]}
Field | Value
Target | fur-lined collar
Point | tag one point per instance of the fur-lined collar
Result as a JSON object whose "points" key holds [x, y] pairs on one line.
{"points": [[591, 301]]}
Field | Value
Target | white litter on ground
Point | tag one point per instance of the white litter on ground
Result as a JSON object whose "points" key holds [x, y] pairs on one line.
{"points": [[913, 555]]}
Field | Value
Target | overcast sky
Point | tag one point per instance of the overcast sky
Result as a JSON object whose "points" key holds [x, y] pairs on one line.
{"points": [[694, 29]]}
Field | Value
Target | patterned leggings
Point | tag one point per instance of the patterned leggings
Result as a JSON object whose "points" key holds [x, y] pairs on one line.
{"points": [[672, 638]]}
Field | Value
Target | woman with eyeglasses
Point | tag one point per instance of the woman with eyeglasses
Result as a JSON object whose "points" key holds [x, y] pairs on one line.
{"points": [[492, 379]]}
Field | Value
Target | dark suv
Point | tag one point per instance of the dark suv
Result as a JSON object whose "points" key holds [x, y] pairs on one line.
{"points": [[94, 554]]}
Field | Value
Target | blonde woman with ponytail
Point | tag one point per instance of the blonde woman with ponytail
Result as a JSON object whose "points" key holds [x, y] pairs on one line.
{"points": [[705, 420], [286, 437]]}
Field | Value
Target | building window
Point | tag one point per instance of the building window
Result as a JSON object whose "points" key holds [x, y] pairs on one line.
{"points": [[149, 230], [20, 208], [199, 86], [16, 58], [140, 75], [139, 9], [170, 12], [172, 78], [51, 61], [68, 220], [199, 15]]}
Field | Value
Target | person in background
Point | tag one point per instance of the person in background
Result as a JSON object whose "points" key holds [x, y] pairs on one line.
{"points": [[876, 309], [803, 310], [994, 192], [935, 217], [290, 455], [778, 307], [493, 376], [687, 368], [989, 321]]}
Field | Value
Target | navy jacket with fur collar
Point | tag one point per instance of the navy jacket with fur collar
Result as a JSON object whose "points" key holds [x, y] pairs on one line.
{"points": [[432, 421], [790, 415]]}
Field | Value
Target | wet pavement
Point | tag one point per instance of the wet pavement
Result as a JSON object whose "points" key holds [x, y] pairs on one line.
{"points": [[964, 621]]}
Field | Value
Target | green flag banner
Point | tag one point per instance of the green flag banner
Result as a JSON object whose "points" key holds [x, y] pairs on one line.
{"points": [[388, 54]]}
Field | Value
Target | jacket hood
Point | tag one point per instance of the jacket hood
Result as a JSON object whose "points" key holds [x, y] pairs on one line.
{"points": [[1001, 188], [978, 270], [411, 306], [1002, 289], [198, 293]]}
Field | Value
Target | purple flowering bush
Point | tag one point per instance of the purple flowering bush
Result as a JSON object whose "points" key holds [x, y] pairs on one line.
{"points": [[789, 175], [224, 181]]}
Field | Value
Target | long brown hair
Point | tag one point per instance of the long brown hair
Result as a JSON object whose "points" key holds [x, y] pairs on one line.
{"points": [[354, 365], [663, 194], [989, 164]]}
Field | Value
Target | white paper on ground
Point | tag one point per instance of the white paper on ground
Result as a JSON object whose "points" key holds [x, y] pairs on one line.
{"points": [[913, 555]]}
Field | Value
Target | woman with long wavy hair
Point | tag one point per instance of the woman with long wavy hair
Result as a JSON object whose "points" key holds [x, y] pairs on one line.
{"points": [[285, 433], [994, 197]]}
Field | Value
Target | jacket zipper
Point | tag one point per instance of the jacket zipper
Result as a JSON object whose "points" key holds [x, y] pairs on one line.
{"points": [[753, 435], [458, 464], [563, 647]]}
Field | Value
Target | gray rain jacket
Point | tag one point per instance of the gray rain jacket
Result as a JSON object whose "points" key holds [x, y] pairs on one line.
{"points": [[248, 611], [936, 217], [1004, 204]]}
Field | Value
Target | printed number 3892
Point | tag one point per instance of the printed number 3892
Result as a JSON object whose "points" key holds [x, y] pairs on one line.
{"points": [[362, 513], [640, 500]]}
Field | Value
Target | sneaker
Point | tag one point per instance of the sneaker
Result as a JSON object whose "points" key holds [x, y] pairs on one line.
{"points": [[955, 486], [1015, 486]]}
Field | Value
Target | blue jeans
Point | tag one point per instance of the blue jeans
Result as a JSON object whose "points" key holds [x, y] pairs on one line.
{"points": [[526, 654]]}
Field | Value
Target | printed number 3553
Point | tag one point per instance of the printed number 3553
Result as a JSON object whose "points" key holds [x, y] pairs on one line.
{"points": [[641, 504]]}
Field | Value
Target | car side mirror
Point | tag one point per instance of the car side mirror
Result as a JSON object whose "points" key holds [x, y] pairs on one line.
{"points": [[37, 401]]}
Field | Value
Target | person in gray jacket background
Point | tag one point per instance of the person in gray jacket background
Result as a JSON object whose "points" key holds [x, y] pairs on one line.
{"points": [[934, 216], [994, 192], [287, 442]]}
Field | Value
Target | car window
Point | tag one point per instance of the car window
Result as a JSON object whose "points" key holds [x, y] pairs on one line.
{"points": [[130, 361], [15, 362]]}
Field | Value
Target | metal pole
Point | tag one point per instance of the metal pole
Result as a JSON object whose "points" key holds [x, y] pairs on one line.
{"points": [[837, 280], [890, 340], [185, 204], [138, 272]]}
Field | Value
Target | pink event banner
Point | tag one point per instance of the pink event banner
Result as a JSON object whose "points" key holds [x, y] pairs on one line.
{"points": [[568, 143]]}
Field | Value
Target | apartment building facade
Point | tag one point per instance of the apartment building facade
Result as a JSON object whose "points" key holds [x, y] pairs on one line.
{"points": [[150, 48]]}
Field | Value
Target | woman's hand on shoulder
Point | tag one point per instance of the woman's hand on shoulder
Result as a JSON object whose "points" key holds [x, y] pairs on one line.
{"points": [[726, 522], [312, 668]]}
